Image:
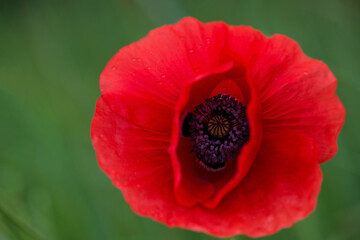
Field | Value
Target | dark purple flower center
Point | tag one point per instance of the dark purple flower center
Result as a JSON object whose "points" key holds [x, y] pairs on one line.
{"points": [[219, 128]]}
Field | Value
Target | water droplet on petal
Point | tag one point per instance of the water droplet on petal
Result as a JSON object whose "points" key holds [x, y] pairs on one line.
{"points": [[196, 69], [163, 76], [113, 68], [306, 73], [191, 50]]}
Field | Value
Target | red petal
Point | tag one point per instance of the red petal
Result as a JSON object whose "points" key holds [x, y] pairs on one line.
{"points": [[280, 189], [129, 154], [228, 87], [244, 45], [142, 81], [297, 93]]}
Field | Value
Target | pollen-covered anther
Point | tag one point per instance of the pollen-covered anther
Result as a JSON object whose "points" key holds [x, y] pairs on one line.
{"points": [[219, 128]]}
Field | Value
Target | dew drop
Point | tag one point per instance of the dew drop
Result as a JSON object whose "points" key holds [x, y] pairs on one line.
{"points": [[306, 73], [113, 68], [191, 50], [163, 76], [196, 69]]}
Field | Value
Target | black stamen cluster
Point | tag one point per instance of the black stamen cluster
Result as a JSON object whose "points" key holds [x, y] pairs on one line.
{"points": [[213, 151]]}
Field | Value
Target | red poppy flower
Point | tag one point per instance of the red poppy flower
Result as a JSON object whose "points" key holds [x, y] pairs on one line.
{"points": [[217, 128]]}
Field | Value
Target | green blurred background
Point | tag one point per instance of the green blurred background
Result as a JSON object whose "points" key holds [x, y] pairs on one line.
{"points": [[51, 55]]}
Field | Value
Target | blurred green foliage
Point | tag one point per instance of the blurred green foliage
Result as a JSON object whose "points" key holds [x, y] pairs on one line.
{"points": [[51, 55]]}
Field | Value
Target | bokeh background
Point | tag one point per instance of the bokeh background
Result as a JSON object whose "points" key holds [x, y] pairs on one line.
{"points": [[51, 55]]}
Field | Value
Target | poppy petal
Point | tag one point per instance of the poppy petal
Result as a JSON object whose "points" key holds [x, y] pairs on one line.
{"points": [[298, 93], [129, 154], [280, 189], [142, 82], [290, 178]]}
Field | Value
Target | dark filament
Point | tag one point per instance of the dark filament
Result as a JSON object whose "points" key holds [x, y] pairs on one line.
{"points": [[219, 129]]}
